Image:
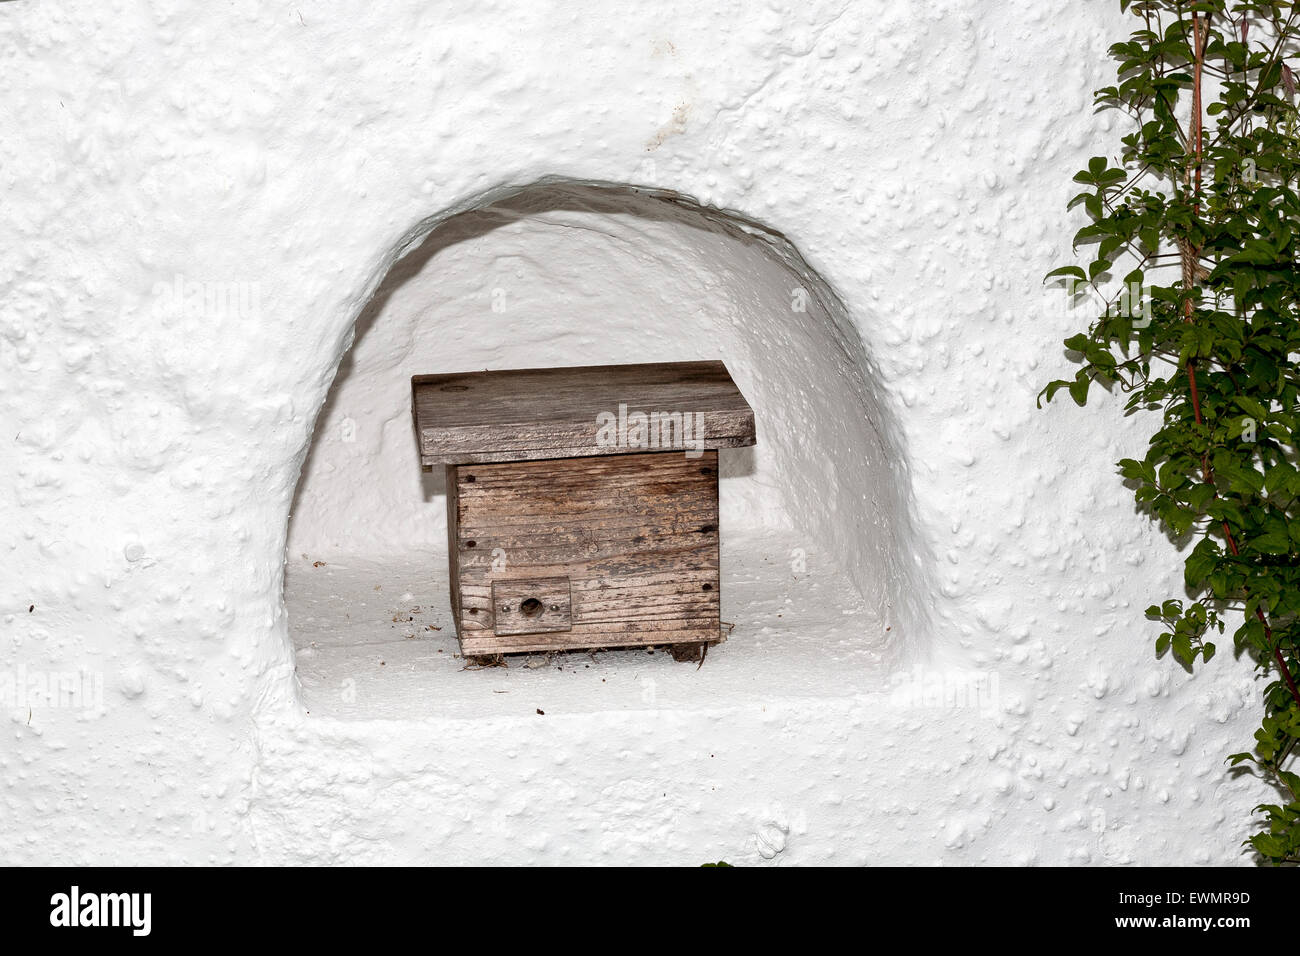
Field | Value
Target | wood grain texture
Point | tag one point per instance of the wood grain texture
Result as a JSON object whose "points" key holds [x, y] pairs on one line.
{"points": [[453, 565], [532, 605], [530, 414], [636, 536]]}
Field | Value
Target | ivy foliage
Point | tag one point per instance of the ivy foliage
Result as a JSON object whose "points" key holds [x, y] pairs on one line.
{"points": [[1192, 243]]}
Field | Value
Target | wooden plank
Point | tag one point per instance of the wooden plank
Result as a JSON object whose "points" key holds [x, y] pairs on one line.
{"points": [[529, 414], [531, 605], [588, 639], [453, 552], [635, 536]]}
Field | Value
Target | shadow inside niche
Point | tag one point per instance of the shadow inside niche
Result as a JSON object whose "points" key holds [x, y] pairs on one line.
{"points": [[476, 223], [822, 500]]}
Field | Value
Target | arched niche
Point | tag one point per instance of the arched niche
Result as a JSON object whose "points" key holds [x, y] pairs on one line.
{"points": [[820, 559]]}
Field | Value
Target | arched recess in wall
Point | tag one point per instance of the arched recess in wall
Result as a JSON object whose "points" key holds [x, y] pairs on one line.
{"points": [[817, 535]]}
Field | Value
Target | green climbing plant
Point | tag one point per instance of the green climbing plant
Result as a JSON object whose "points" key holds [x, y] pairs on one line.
{"points": [[1192, 245]]}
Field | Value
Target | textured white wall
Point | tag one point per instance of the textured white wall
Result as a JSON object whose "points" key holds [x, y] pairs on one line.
{"points": [[917, 158]]}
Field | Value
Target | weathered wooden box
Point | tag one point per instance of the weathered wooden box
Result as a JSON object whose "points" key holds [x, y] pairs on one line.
{"points": [[582, 503]]}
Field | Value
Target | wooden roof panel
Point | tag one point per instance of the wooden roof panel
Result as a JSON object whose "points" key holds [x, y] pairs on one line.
{"points": [[528, 414]]}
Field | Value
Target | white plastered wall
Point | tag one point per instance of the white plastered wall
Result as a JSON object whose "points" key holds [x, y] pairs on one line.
{"points": [[917, 159]]}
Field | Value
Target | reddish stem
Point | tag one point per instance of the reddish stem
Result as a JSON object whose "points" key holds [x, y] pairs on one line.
{"points": [[1191, 257]]}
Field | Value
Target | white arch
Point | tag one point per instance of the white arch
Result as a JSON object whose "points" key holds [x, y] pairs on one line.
{"points": [[592, 273]]}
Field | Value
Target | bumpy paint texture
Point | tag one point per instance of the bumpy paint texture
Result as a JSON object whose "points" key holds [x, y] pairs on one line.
{"points": [[939, 653]]}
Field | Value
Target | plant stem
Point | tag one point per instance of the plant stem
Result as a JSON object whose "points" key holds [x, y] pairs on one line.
{"points": [[1191, 256]]}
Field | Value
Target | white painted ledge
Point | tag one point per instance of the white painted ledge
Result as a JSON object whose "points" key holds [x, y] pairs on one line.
{"points": [[365, 650]]}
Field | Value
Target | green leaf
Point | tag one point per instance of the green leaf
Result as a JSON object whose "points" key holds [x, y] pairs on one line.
{"points": [[1079, 390], [1272, 542], [1221, 422], [1199, 495], [1252, 406]]}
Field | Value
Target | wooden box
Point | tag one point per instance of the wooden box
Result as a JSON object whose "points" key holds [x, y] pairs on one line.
{"points": [[582, 503]]}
